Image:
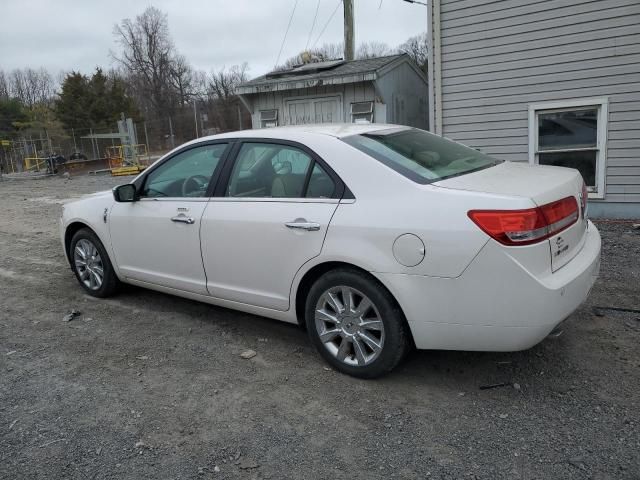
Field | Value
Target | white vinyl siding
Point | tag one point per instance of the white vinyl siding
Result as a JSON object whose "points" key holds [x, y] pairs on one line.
{"points": [[500, 57]]}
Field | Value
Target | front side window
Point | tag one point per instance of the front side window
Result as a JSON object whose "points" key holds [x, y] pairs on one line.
{"points": [[569, 136], [187, 174], [419, 155], [269, 170]]}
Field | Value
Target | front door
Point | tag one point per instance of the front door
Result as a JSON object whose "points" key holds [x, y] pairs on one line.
{"points": [[270, 219], [157, 238]]}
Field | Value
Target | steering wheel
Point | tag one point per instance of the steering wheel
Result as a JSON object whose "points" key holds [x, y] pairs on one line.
{"points": [[193, 184]]}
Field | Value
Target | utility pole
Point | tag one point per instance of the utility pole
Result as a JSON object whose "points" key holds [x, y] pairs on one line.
{"points": [[146, 136], [195, 117], [171, 133], [349, 31]]}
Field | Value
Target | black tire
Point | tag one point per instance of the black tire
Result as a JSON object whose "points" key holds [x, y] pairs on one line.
{"points": [[110, 282], [396, 341]]}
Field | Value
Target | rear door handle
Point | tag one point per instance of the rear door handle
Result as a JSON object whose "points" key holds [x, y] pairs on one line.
{"points": [[301, 224], [183, 219]]}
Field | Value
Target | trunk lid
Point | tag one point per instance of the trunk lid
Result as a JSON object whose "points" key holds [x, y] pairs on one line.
{"points": [[543, 185]]}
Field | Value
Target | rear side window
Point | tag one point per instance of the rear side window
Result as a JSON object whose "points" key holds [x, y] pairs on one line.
{"points": [[320, 184], [419, 155], [269, 170]]}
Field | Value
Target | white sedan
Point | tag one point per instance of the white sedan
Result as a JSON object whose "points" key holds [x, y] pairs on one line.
{"points": [[375, 237]]}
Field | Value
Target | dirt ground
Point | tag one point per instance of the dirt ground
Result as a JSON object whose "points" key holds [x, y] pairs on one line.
{"points": [[146, 385]]}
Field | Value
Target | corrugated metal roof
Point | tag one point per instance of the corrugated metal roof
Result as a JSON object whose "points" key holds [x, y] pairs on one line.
{"points": [[345, 72]]}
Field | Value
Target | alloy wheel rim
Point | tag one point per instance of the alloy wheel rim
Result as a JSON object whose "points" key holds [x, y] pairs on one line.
{"points": [[349, 326], [88, 264]]}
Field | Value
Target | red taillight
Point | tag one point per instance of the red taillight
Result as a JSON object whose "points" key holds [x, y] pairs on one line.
{"points": [[523, 227]]}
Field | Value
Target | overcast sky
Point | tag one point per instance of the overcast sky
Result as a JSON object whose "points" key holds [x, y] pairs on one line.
{"points": [[78, 34]]}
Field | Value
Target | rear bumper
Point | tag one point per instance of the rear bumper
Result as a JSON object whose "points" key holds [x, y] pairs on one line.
{"points": [[496, 304]]}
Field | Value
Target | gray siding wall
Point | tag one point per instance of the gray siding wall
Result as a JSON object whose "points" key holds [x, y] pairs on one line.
{"points": [[406, 96], [498, 57], [351, 92]]}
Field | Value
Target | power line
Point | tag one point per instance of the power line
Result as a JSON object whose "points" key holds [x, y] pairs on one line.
{"points": [[312, 25], [327, 24], [286, 32]]}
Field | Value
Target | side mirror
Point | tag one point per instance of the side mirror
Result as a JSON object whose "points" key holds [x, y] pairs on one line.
{"points": [[125, 193]]}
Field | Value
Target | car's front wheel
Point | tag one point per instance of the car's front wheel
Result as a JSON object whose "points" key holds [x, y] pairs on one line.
{"points": [[355, 323], [91, 264]]}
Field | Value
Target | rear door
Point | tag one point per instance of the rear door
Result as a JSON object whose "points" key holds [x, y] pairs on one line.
{"points": [[269, 216]]}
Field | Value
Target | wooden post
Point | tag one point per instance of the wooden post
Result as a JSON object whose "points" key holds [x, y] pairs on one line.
{"points": [[349, 33]]}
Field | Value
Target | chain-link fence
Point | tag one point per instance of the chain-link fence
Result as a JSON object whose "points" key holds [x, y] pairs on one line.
{"points": [[92, 148]]}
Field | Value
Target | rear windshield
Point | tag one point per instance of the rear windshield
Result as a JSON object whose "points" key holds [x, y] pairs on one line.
{"points": [[420, 156]]}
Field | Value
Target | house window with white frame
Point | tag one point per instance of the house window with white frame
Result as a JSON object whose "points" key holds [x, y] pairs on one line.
{"points": [[571, 134]]}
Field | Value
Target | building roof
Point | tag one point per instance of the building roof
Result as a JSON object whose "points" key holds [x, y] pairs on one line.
{"points": [[333, 72]]}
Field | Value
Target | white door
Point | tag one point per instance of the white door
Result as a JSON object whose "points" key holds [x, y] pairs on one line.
{"points": [[273, 218], [156, 239]]}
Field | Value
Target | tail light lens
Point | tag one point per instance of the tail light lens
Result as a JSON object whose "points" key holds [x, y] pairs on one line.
{"points": [[524, 227]]}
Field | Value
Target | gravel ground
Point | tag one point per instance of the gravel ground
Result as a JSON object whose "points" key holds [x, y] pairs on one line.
{"points": [[145, 385]]}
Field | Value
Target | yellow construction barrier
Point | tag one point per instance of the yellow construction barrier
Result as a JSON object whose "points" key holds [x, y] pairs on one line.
{"points": [[35, 163], [117, 165], [130, 170]]}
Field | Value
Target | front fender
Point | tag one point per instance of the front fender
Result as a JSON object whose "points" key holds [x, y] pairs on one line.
{"points": [[92, 212]]}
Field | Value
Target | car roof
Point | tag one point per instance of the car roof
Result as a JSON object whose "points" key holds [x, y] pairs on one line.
{"points": [[337, 130]]}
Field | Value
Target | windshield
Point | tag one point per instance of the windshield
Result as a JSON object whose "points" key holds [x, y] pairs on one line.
{"points": [[420, 156]]}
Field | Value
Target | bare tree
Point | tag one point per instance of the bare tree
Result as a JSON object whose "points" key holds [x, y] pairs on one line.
{"points": [[373, 50], [30, 87], [40, 84], [4, 86], [417, 48], [181, 76], [199, 82], [222, 84], [18, 86], [224, 105], [150, 60]]}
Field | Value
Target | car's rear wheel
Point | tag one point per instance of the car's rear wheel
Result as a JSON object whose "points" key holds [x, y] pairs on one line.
{"points": [[91, 264], [355, 324]]}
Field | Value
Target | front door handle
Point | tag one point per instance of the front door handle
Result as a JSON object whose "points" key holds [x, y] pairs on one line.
{"points": [[183, 219], [302, 224]]}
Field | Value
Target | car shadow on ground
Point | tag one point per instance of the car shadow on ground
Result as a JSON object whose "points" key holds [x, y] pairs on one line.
{"points": [[457, 370]]}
